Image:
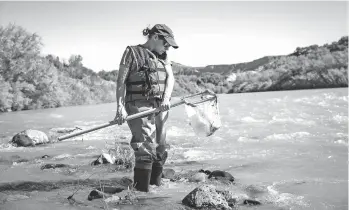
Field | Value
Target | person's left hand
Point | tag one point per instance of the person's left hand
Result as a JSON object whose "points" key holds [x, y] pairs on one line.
{"points": [[165, 105]]}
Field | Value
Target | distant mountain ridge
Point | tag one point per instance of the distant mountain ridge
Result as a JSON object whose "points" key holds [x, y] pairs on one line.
{"points": [[307, 67], [228, 68]]}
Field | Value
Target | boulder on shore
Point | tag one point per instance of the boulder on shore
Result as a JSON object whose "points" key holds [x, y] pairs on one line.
{"points": [[205, 196], [29, 137]]}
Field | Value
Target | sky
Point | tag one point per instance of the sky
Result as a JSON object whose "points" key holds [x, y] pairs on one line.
{"points": [[208, 33]]}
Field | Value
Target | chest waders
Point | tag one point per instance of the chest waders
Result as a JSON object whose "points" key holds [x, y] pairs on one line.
{"points": [[153, 170], [145, 87]]}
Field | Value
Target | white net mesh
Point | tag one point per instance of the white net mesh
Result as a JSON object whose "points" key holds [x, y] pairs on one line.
{"points": [[204, 117]]}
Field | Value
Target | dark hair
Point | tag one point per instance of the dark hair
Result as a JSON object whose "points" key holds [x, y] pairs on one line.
{"points": [[150, 32], [147, 32]]}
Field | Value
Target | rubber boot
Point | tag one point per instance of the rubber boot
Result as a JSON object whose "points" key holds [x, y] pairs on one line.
{"points": [[156, 172], [141, 179]]}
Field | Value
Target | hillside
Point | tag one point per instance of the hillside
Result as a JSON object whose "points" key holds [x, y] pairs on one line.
{"points": [[29, 80], [307, 67]]}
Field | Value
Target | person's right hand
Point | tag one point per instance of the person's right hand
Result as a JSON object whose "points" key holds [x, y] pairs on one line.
{"points": [[121, 115]]}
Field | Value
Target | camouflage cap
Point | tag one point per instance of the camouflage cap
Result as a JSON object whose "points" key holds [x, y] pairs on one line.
{"points": [[166, 32]]}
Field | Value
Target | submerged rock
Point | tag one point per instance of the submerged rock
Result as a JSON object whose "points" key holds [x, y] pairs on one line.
{"points": [[221, 175], [64, 130], [126, 182], [104, 158], [207, 172], [29, 137], [168, 173], [110, 190], [205, 196], [54, 165], [251, 202], [218, 174], [96, 194], [198, 177], [16, 197]]}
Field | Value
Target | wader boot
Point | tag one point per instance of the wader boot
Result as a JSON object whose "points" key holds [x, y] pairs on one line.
{"points": [[156, 172], [142, 173], [141, 179]]}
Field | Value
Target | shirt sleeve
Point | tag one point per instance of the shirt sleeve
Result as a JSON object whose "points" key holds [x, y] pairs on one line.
{"points": [[127, 58]]}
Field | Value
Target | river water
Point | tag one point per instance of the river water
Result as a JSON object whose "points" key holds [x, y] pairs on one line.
{"points": [[287, 149]]}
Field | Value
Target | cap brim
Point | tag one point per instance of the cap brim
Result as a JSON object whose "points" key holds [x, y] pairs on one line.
{"points": [[172, 42]]}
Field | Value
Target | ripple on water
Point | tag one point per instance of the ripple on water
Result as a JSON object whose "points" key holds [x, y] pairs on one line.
{"points": [[62, 156], [248, 139], [56, 115], [251, 120], [298, 121], [340, 119], [296, 137], [178, 132]]}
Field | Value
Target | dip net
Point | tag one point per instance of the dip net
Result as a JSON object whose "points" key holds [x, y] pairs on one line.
{"points": [[203, 113]]}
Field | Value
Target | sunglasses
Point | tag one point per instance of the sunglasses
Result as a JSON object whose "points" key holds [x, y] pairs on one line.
{"points": [[166, 44]]}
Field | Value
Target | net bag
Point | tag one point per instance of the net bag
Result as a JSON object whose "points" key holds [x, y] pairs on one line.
{"points": [[204, 115]]}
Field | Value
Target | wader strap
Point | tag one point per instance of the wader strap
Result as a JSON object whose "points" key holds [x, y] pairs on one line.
{"points": [[143, 82]]}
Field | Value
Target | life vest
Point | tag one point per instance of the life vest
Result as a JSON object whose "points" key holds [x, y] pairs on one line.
{"points": [[147, 80]]}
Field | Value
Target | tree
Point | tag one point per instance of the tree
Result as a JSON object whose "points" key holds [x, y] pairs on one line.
{"points": [[18, 49], [75, 61]]}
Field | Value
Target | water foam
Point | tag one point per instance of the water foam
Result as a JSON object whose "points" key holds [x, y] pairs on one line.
{"points": [[344, 98], [341, 141], [340, 118], [196, 155], [9, 146], [247, 139], [297, 136], [299, 121], [338, 138], [284, 199], [315, 100], [274, 100], [178, 132], [56, 115], [251, 120]]}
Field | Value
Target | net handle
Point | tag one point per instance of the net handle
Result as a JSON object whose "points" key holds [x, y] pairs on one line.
{"points": [[142, 114]]}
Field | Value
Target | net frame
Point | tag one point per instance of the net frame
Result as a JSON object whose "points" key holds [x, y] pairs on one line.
{"points": [[198, 98]]}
